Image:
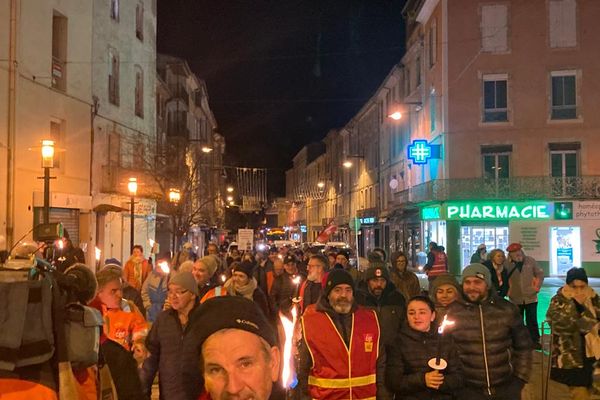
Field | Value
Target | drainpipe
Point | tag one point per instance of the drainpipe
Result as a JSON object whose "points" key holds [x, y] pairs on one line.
{"points": [[11, 126]]}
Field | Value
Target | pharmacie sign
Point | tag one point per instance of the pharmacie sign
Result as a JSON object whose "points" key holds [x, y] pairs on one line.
{"points": [[481, 211]]}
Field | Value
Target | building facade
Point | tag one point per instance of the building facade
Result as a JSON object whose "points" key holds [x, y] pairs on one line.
{"points": [[493, 136], [45, 81]]}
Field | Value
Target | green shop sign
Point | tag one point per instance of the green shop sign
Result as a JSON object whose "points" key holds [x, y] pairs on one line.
{"points": [[481, 211]]}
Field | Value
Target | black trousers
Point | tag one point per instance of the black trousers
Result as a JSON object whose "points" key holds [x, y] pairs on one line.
{"points": [[511, 390], [530, 311]]}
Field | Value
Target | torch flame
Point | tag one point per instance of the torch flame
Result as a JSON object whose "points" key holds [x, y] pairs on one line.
{"points": [[98, 254], [223, 278], [297, 280], [164, 266], [288, 329], [61, 244], [445, 322]]}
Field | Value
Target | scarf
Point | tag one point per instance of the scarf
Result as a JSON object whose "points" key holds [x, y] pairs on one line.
{"points": [[592, 339], [246, 291]]}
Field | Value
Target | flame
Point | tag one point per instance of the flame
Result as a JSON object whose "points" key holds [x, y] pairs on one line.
{"points": [[164, 266], [445, 322], [297, 280], [288, 329], [223, 278], [60, 244], [98, 253], [151, 241]]}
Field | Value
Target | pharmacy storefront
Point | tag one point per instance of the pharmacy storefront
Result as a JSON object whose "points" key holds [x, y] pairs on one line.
{"points": [[559, 235]]}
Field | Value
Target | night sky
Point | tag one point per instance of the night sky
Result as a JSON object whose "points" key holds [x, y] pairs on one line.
{"points": [[281, 73]]}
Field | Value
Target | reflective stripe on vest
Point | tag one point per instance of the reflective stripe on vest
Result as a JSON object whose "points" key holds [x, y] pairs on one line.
{"points": [[440, 264], [342, 383]]}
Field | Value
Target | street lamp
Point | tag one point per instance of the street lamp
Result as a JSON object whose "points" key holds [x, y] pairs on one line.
{"points": [[47, 163], [206, 149], [321, 185], [347, 164], [132, 186], [229, 189], [174, 198], [396, 116]]}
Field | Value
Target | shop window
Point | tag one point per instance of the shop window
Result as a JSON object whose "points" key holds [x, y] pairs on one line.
{"points": [[565, 249], [564, 95], [494, 237], [495, 98]]}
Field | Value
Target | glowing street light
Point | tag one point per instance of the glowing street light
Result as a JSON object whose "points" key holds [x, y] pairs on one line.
{"points": [[47, 163], [174, 196], [397, 115], [230, 198], [321, 185], [206, 149], [229, 189], [347, 164]]}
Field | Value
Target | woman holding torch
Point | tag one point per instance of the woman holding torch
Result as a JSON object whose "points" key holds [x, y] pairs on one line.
{"points": [[422, 363]]}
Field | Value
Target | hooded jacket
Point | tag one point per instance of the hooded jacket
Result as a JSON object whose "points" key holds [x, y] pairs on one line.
{"points": [[407, 365], [492, 341]]}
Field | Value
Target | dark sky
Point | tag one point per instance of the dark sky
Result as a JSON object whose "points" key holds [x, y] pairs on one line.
{"points": [[281, 73]]}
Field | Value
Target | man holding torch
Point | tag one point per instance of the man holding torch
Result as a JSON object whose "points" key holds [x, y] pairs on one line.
{"points": [[341, 354], [493, 344]]}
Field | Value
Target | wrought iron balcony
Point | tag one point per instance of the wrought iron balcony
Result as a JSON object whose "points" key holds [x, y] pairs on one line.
{"points": [[516, 188]]}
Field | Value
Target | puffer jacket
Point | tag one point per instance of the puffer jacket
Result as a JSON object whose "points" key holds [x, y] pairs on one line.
{"points": [[390, 309], [174, 354], [407, 365], [492, 341], [154, 294], [283, 290], [570, 323]]}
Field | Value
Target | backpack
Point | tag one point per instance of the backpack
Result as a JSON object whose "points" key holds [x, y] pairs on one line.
{"points": [[82, 333]]}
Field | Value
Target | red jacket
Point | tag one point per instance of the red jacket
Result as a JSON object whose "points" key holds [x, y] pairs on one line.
{"points": [[338, 372]]}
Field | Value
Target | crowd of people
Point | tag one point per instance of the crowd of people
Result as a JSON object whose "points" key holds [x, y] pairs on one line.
{"points": [[208, 326]]}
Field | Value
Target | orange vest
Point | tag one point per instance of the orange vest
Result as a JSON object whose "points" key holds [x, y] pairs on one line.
{"points": [[338, 372], [440, 264], [217, 291]]}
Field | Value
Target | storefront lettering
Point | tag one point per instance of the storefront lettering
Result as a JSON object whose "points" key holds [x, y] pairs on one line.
{"points": [[497, 211]]}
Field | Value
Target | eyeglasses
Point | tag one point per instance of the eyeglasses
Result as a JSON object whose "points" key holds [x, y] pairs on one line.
{"points": [[177, 293]]}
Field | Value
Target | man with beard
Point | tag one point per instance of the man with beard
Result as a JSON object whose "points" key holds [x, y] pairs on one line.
{"points": [[493, 344], [313, 285], [378, 293], [341, 354]]}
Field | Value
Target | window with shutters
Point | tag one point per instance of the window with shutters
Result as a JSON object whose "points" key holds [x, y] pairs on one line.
{"points": [[113, 77], [564, 95], [139, 21], [562, 23], [114, 10], [432, 43], [139, 92], [59, 51], [495, 98], [494, 28]]}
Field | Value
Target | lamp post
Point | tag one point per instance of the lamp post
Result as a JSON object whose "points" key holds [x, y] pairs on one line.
{"points": [[174, 198], [47, 163], [132, 187]]}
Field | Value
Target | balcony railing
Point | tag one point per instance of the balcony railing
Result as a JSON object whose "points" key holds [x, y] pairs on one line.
{"points": [[517, 188]]}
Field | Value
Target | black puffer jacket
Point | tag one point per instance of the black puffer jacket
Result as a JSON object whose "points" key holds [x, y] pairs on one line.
{"points": [[506, 350], [407, 365], [174, 355], [390, 308]]}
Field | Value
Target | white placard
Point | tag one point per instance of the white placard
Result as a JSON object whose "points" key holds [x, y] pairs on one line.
{"points": [[245, 239]]}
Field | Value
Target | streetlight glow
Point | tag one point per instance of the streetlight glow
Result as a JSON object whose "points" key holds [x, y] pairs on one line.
{"points": [[229, 189], [321, 185], [174, 196], [132, 186], [396, 115], [47, 153], [229, 198], [206, 149], [347, 164]]}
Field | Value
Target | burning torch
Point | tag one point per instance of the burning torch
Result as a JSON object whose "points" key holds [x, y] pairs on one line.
{"points": [[288, 377], [438, 363]]}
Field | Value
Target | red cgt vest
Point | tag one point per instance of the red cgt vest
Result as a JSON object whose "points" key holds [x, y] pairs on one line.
{"points": [[440, 264], [338, 372]]}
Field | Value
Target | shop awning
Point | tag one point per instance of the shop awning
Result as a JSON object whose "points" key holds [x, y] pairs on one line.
{"points": [[104, 208]]}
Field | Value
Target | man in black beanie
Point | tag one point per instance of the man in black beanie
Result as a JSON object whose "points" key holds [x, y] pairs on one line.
{"points": [[328, 331], [240, 357]]}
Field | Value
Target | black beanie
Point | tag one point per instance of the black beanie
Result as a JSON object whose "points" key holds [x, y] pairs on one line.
{"points": [[232, 312], [338, 277], [377, 271], [246, 267], [576, 273]]}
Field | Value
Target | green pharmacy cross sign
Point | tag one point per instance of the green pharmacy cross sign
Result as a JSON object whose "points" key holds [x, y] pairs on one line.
{"points": [[482, 211]]}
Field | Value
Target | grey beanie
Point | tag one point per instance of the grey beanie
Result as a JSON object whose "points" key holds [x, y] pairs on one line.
{"points": [[478, 270], [186, 280], [211, 263]]}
